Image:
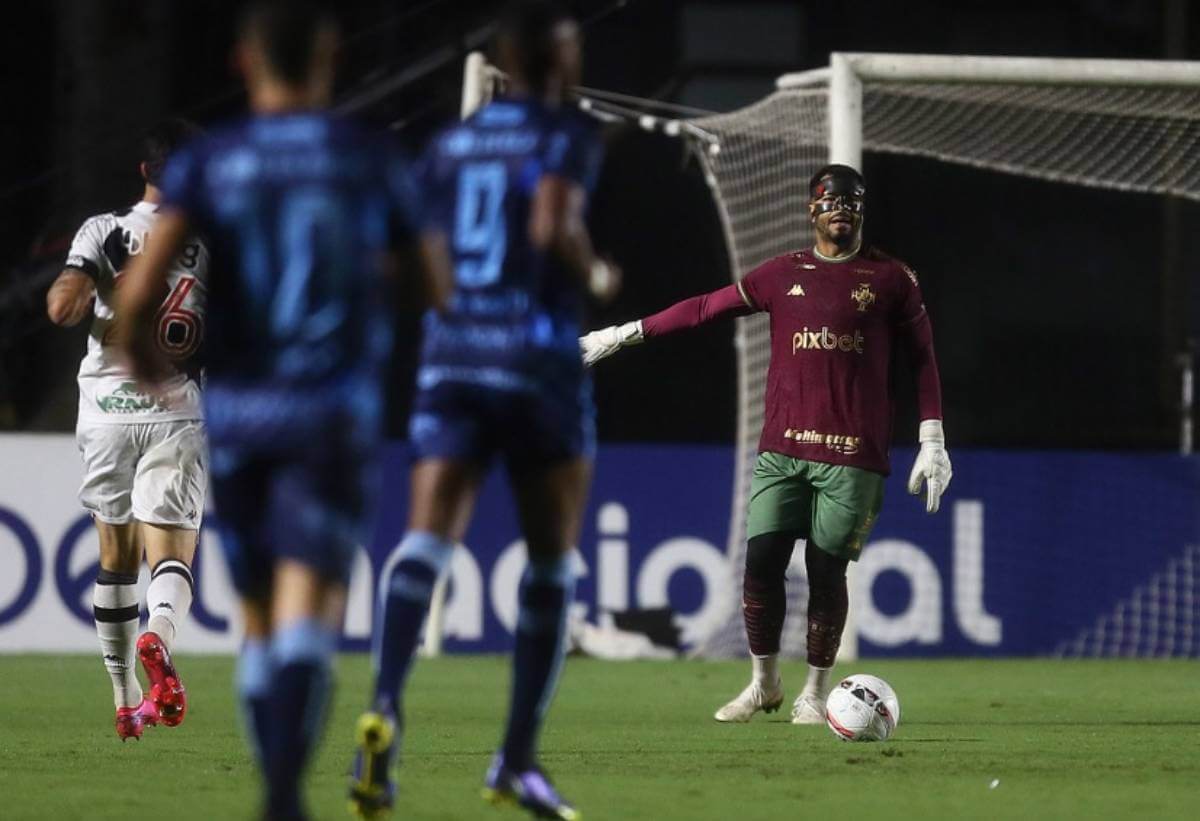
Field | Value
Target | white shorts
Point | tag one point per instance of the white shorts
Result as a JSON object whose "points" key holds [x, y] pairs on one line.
{"points": [[155, 472]]}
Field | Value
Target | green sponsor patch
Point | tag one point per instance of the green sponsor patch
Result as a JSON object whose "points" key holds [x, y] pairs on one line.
{"points": [[127, 399]]}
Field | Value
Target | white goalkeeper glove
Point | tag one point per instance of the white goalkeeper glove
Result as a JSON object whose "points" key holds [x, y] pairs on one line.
{"points": [[607, 341], [932, 466]]}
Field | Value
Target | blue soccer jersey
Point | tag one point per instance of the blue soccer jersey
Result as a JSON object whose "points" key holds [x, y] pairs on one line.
{"points": [[513, 319], [500, 368], [299, 210]]}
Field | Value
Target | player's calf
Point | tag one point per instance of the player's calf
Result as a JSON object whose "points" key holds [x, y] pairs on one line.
{"points": [[827, 607], [116, 613], [764, 606], [828, 604], [169, 598]]}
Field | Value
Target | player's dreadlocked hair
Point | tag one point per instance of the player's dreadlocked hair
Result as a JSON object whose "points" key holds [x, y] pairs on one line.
{"points": [[159, 143], [528, 27], [287, 31]]}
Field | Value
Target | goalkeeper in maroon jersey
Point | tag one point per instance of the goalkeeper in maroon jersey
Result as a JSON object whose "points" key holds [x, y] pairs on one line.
{"points": [[837, 310]]}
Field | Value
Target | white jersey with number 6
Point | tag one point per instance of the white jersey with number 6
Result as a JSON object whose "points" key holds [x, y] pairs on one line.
{"points": [[107, 391]]}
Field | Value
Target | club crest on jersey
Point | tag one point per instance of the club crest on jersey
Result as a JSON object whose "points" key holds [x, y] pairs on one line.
{"points": [[796, 290], [863, 295]]}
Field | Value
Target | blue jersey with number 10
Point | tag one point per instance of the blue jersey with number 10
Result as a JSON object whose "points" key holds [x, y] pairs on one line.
{"points": [[513, 319], [299, 210]]}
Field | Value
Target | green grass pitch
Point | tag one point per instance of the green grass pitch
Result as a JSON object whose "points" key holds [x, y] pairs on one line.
{"points": [[1094, 740]]}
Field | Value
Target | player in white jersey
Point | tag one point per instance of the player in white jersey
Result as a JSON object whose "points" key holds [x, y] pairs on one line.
{"points": [[144, 455]]}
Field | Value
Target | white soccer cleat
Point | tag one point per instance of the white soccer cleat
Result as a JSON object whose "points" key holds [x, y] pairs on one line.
{"points": [[754, 698], [808, 708]]}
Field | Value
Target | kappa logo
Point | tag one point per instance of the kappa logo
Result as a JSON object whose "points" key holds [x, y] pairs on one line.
{"points": [[796, 290], [863, 295], [808, 266]]}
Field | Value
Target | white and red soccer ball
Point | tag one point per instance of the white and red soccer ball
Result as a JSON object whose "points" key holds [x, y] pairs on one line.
{"points": [[862, 708]]}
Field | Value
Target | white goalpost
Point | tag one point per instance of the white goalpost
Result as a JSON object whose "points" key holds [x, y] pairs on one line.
{"points": [[480, 81], [1128, 125]]}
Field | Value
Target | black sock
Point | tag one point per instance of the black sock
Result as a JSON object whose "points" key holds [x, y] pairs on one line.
{"points": [[764, 596], [828, 604]]}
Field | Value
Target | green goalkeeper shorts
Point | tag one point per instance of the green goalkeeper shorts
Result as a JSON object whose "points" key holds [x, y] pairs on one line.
{"points": [[833, 505]]}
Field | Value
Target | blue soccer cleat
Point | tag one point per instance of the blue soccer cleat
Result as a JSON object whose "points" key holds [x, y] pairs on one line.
{"points": [[372, 791], [530, 789]]}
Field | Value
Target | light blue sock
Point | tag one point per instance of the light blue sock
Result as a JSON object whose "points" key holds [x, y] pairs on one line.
{"points": [[300, 654], [405, 590], [546, 593], [253, 684]]}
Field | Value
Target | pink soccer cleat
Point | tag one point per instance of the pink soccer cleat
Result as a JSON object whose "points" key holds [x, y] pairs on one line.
{"points": [[166, 690], [132, 721]]}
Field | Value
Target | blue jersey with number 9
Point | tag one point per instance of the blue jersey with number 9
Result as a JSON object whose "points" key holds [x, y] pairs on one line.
{"points": [[513, 320], [299, 210]]}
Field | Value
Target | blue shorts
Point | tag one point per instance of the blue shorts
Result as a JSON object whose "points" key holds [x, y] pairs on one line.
{"points": [[466, 422], [311, 504]]}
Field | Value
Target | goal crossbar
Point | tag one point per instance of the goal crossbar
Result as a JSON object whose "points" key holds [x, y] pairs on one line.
{"points": [[848, 71], [943, 68]]}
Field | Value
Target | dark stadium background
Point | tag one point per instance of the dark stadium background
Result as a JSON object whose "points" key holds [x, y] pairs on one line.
{"points": [[1062, 315]]}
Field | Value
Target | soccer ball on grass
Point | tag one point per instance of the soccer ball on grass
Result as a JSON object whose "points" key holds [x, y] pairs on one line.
{"points": [[862, 708]]}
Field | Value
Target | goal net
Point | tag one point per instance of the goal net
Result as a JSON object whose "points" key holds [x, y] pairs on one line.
{"points": [[758, 169], [1125, 125]]}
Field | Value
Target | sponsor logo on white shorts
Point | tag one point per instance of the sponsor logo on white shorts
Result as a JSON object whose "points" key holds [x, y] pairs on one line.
{"points": [[127, 399]]}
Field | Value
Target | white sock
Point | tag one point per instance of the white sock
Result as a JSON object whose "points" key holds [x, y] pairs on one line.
{"points": [[169, 598], [817, 683], [114, 605], [766, 669]]}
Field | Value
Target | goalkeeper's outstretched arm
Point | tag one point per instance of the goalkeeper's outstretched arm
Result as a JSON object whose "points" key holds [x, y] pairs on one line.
{"points": [[727, 301]]}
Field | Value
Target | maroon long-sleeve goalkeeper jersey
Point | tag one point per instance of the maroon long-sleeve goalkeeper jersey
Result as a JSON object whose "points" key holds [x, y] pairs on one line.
{"points": [[833, 329]]}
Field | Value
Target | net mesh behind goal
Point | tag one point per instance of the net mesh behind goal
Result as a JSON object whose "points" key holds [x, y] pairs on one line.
{"points": [[760, 176], [1125, 137]]}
